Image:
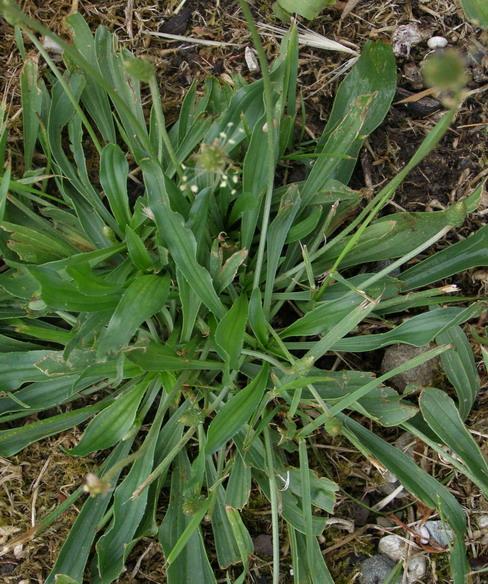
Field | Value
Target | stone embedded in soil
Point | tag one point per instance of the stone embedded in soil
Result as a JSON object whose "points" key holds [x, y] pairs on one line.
{"points": [[412, 74], [393, 546], [263, 545], [177, 24], [482, 521], [376, 569], [416, 569], [360, 514], [437, 42], [440, 533], [422, 375]]}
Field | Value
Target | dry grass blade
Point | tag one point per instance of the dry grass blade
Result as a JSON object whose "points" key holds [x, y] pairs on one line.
{"points": [[308, 38], [186, 39]]}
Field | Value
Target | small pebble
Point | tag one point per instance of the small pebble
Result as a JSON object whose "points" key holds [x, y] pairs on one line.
{"points": [[437, 42], [385, 522], [438, 532], [424, 535], [263, 545], [416, 569], [392, 546], [396, 355], [483, 521], [19, 551], [376, 569], [413, 74]]}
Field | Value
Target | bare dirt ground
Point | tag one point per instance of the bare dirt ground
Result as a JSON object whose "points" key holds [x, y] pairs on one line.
{"points": [[42, 476]]}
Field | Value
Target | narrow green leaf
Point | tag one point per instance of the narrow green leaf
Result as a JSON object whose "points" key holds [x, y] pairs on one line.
{"points": [[326, 314], [443, 417], [340, 141], [156, 357], [111, 425], [40, 396], [332, 338], [4, 187], [374, 74], [322, 490], [276, 237], [36, 245], [188, 532], [468, 253], [137, 251], [178, 238], [393, 236], [114, 170], [254, 179], [192, 559], [16, 439], [20, 367], [144, 297], [257, 318], [239, 485], [63, 579], [229, 335], [61, 294], [304, 227], [94, 98], [76, 548], [417, 331], [114, 545], [290, 506], [226, 546], [241, 536], [225, 276], [31, 100], [236, 412], [307, 506], [460, 367], [190, 306]]}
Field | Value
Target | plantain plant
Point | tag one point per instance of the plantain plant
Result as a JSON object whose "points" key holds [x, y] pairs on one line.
{"points": [[175, 293]]}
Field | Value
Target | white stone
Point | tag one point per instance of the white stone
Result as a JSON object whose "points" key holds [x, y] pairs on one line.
{"points": [[416, 568], [424, 535], [483, 521], [437, 42], [440, 532], [393, 547], [19, 551]]}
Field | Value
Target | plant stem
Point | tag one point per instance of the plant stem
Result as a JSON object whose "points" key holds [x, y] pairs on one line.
{"points": [[273, 489], [163, 134], [270, 123]]}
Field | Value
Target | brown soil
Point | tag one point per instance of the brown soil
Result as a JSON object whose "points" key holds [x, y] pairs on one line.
{"points": [[31, 483]]}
